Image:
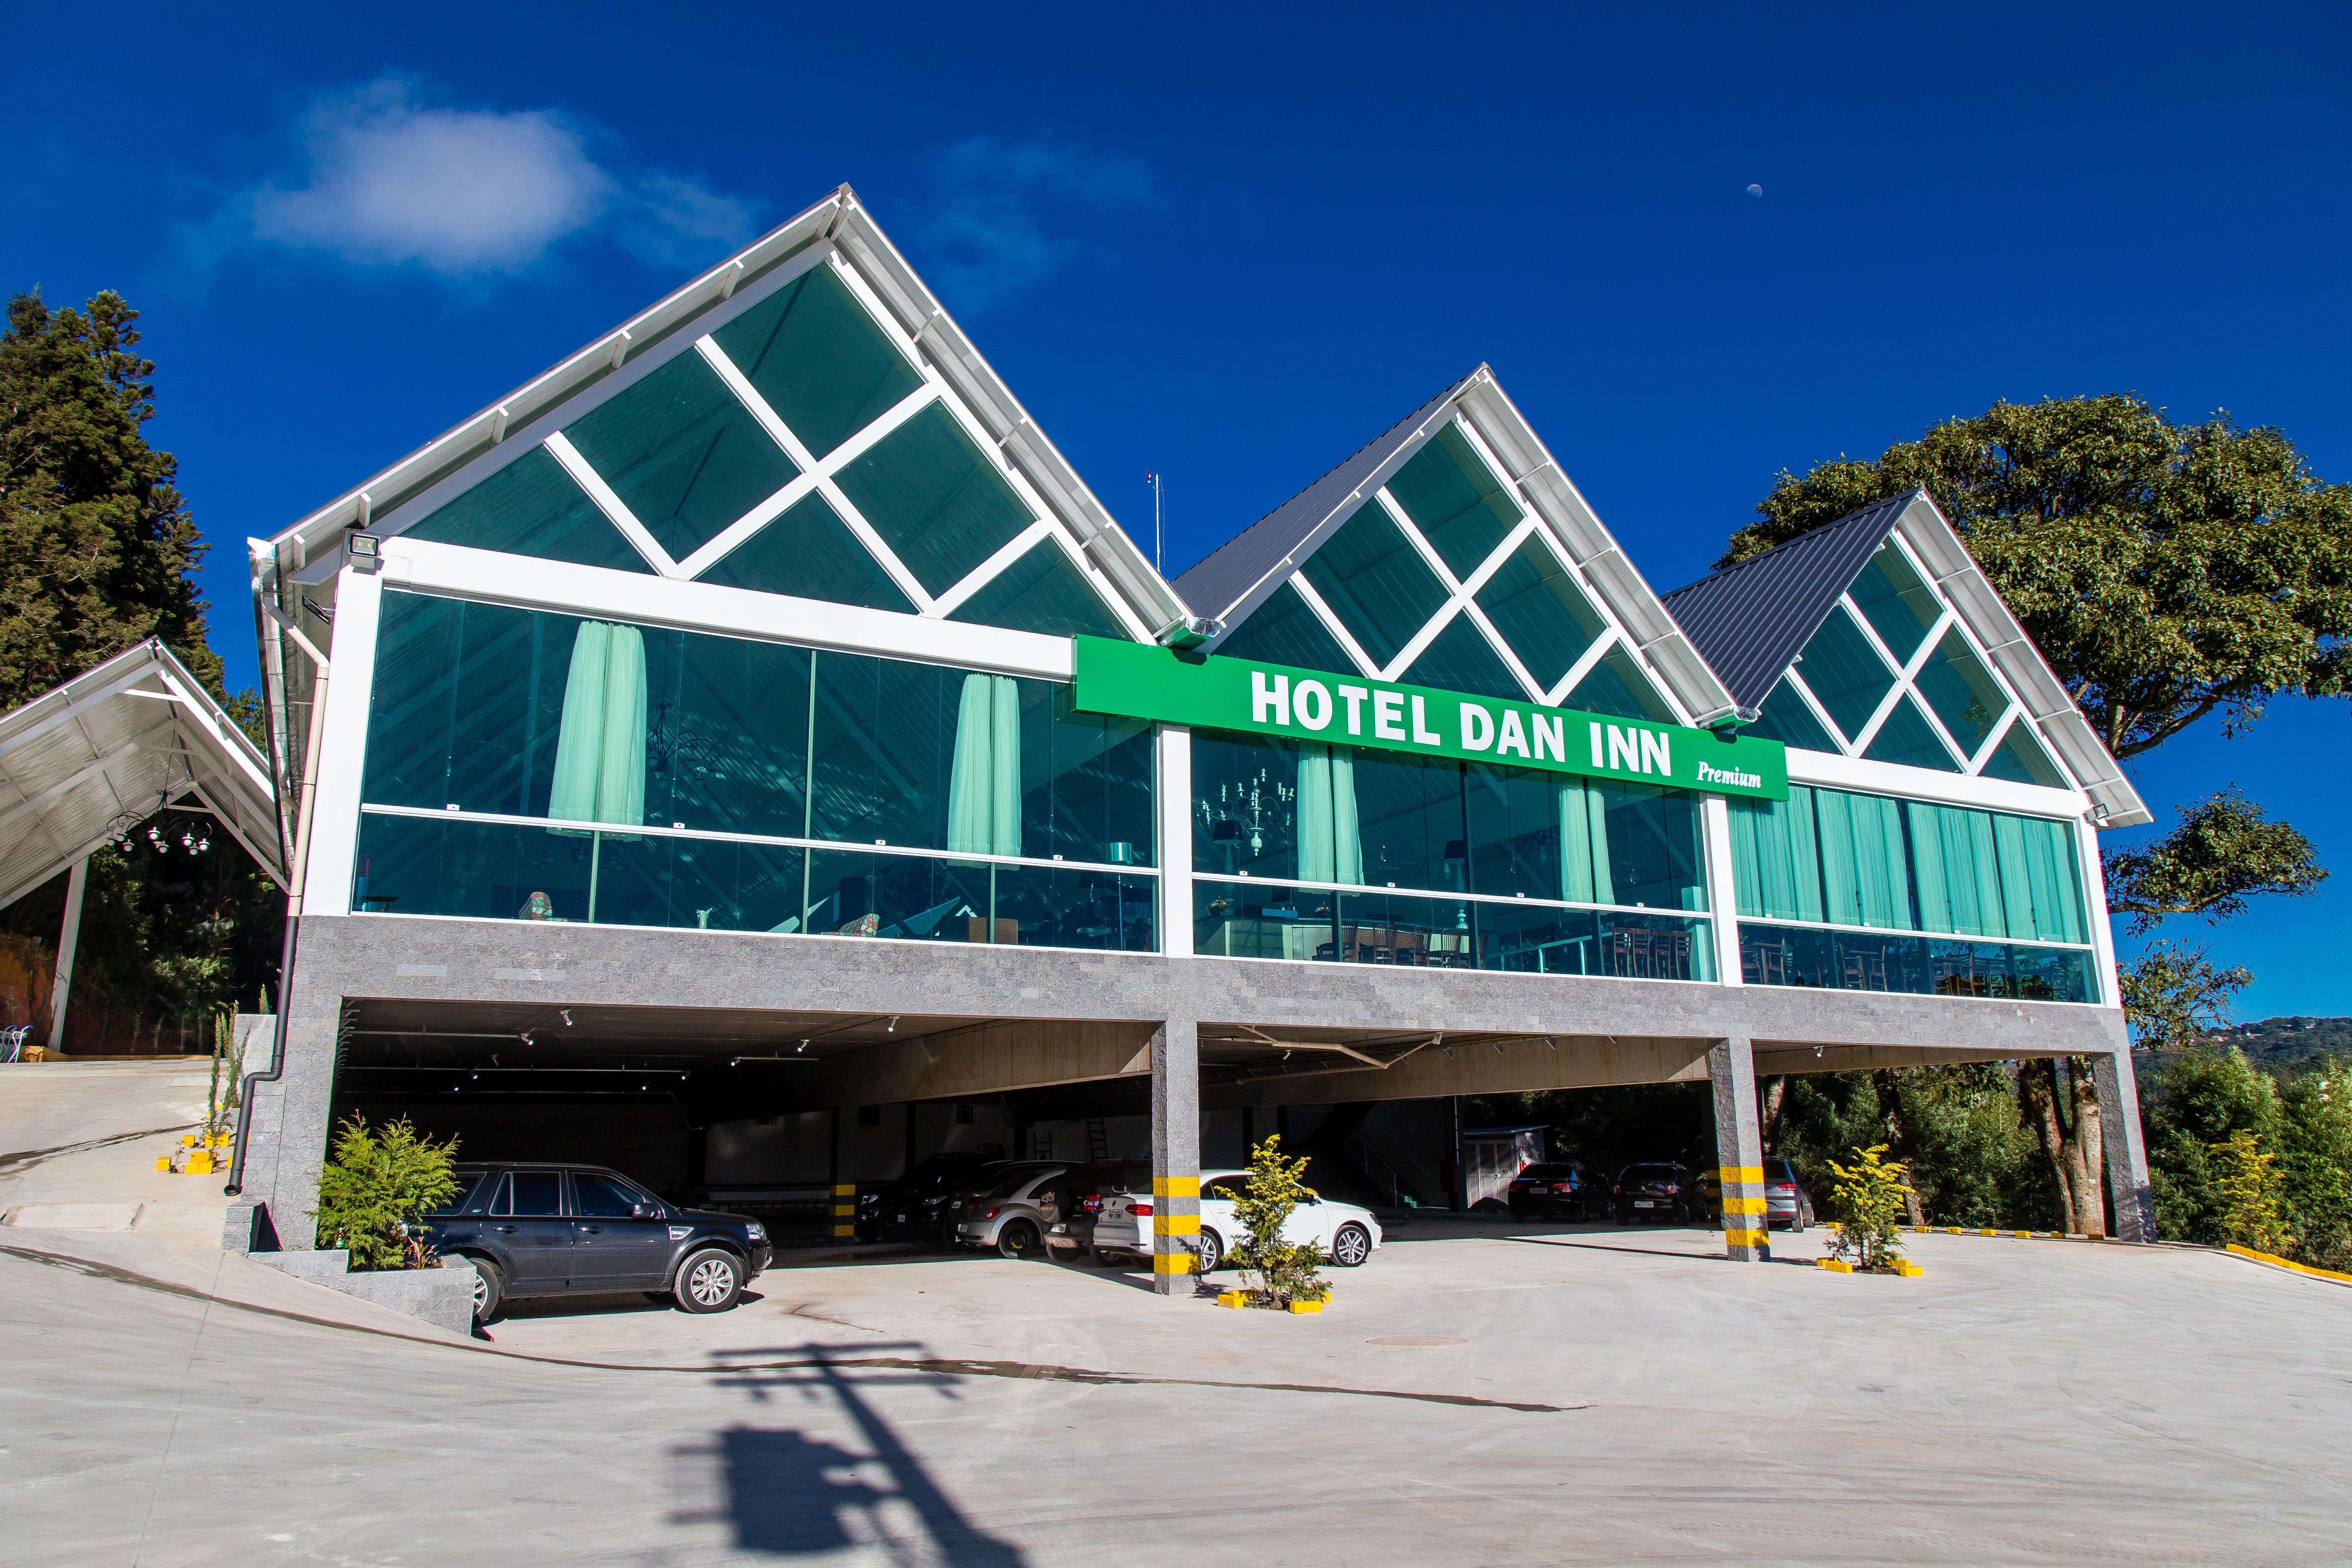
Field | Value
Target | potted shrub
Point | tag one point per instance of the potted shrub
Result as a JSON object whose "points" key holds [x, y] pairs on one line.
{"points": [[373, 1195], [1288, 1274]]}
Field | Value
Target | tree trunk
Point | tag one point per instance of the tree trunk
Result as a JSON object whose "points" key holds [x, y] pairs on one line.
{"points": [[1776, 1093], [1890, 1104], [2071, 1140], [2086, 1153], [2037, 1093]]}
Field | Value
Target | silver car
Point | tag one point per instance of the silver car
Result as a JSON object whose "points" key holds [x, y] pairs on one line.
{"points": [[1027, 1210]]}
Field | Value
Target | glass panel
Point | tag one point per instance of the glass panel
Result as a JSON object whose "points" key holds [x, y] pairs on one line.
{"points": [[1287, 630], [1535, 603], [884, 746], [1086, 783], [2020, 758], [1844, 671], [1418, 933], [924, 900], [1375, 582], [1656, 947], [1787, 720], [1775, 862], [1962, 691], [1866, 874], [934, 500], [1409, 812], [531, 507], [1460, 506], [1245, 806], [1460, 658], [534, 1193], [1855, 960], [2041, 880], [1615, 686], [726, 734], [428, 689], [1041, 591], [1957, 872], [809, 553], [1261, 919], [488, 871], [1097, 910], [1654, 855], [682, 453], [818, 359], [1514, 828], [1907, 738], [1901, 607], [603, 1197], [1531, 939]]}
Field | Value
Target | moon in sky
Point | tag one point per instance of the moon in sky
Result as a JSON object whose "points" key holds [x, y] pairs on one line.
{"points": [[1755, 190]]}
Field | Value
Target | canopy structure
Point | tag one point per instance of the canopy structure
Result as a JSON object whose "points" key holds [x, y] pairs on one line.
{"points": [[85, 763]]}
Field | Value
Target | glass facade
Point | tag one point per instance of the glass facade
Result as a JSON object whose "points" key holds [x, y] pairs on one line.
{"points": [[1832, 858], [1375, 582], [486, 711], [1285, 629]]}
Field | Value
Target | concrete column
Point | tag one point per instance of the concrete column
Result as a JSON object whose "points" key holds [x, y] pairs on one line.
{"points": [[1739, 1150], [287, 1126], [1174, 792], [1175, 1155], [2119, 1135], [69, 937], [1715, 817]]}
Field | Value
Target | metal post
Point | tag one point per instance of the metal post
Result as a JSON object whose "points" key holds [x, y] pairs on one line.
{"points": [[2126, 1152], [1175, 1155], [1457, 1197], [1739, 1151], [68, 935]]}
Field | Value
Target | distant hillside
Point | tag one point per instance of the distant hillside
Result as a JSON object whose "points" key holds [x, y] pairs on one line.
{"points": [[2286, 1042]]}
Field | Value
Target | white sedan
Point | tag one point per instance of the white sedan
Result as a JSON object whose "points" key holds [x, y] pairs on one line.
{"points": [[1345, 1233]]}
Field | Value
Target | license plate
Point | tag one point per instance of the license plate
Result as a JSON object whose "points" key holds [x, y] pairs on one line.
{"points": [[1644, 1204]]}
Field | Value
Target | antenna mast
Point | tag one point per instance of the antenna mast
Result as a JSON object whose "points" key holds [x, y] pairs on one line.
{"points": [[1159, 492]]}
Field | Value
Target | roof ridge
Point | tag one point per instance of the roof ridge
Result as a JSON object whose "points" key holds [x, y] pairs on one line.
{"points": [[1905, 498]]}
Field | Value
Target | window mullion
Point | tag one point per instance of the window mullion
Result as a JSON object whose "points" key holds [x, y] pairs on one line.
{"points": [[1332, 624], [615, 509]]}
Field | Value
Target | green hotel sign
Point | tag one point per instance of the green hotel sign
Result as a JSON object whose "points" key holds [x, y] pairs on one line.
{"points": [[1134, 681]]}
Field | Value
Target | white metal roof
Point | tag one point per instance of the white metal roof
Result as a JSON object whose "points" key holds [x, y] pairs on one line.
{"points": [[107, 750]]}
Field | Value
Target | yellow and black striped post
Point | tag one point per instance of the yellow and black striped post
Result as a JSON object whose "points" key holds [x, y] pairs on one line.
{"points": [[1739, 1151], [845, 1209], [1175, 1156]]}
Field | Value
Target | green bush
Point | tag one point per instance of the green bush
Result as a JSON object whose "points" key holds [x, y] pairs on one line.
{"points": [[373, 1195], [1286, 1272], [1868, 1199]]}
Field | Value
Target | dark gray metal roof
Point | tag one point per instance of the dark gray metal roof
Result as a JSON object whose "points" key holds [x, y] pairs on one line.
{"points": [[1750, 621], [1225, 578]]}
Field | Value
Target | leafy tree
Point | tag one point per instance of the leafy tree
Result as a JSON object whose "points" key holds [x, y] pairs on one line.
{"points": [[2223, 851], [2198, 1100], [1286, 1271], [1869, 1198], [2173, 995], [97, 549], [2249, 1189], [373, 1195], [2165, 570]]}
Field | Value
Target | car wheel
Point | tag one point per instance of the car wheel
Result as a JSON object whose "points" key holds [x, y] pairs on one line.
{"points": [[489, 1290], [1351, 1246], [709, 1280], [1211, 1254], [1020, 1239]]}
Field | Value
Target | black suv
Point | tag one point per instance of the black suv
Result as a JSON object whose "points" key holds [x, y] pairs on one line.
{"points": [[1559, 1190], [531, 1229]]}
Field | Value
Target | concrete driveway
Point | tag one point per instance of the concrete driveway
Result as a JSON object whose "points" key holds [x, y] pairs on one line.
{"points": [[1477, 1394]]}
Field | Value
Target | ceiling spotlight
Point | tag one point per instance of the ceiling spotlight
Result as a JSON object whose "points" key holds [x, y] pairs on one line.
{"points": [[894, 1025], [564, 1014], [799, 1048]]}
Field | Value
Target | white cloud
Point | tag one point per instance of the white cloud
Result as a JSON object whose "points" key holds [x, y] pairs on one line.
{"points": [[390, 179], [1003, 210]]}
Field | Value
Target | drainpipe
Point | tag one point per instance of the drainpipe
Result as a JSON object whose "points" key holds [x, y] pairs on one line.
{"points": [[296, 877]]}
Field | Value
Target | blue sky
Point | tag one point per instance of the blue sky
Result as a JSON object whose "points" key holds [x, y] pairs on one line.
{"points": [[1232, 243]]}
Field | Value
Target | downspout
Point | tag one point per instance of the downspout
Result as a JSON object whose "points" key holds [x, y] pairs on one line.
{"points": [[297, 879]]}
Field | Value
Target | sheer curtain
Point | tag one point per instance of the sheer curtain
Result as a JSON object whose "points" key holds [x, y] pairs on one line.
{"points": [[984, 778], [1775, 857], [600, 751], [1330, 840], [1585, 876], [1953, 855], [1863, 872]]}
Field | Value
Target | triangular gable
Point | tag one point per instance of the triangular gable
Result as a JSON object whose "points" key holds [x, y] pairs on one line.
{"points": [[803, 419], [1878, 637], [1451, 551]]}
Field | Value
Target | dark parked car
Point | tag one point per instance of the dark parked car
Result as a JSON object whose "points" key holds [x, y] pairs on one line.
{"points": [[1655, 1192], [533, 1230], [1561, 1190], [918, 1206]]}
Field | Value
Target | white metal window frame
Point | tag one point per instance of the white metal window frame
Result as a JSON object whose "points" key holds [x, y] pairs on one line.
{"points": [[1461, 591], [816, 475], [1517, 900], [1906, 672]]}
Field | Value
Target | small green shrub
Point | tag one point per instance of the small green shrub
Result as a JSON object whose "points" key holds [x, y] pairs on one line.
{"points": [[372, 1195], [1868, 1196], [1285, 1271], [2249, 1188]]}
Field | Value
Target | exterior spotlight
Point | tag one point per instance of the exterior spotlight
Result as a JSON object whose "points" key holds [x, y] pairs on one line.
{"points": [[364, 550], [2099, 815], [799, 1048], [564, 1014], [894, 1025]]}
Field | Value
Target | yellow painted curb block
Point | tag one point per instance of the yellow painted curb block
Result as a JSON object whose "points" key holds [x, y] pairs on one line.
{"points": [[2287, 1263], [1909, 1269], [1237, 1299], [1835, 1265], [200, 1163], [1307, 1306], [163, 1164], [188, 1139]]}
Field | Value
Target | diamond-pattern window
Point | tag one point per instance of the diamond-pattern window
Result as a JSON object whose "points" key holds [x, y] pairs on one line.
{"points": [[2020, 758], [1458, 504], [818, 359], [1901, 607], [1845, 672], [531, 507], [1535, 603], [809, 553], [1375, 582], [1615, 686], [1962, 691], [1041, 591], [1787, 720], [682, 453], [1907, 738], [1285, 629], [934, 498], [1460, 658]]}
